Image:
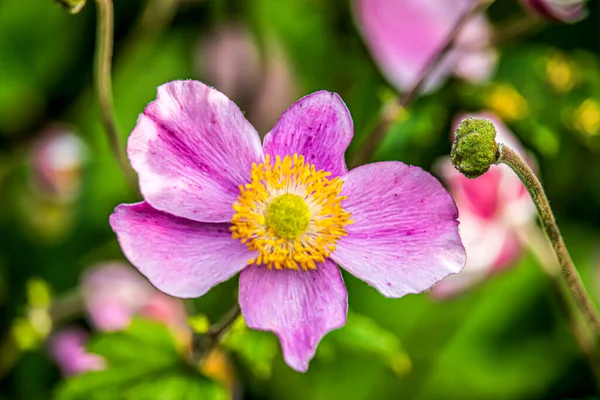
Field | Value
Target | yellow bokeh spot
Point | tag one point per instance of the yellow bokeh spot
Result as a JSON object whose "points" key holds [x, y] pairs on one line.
{"points": [[38, 293], [506, 102], [586, 118], [561, 72]]}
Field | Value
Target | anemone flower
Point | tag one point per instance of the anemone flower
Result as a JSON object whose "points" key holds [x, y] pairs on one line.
{"points": [[405, 35], [284, 213], [493, 208]]}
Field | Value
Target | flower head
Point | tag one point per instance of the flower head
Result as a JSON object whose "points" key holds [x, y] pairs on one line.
{"points": [[57, 158], [492, 209], [114, 293], [569, 11], [404, 36], [284, 213]]}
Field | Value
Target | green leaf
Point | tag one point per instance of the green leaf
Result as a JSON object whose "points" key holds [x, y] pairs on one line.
{"points": [[256, 349], [362, 334], [142, 363]]}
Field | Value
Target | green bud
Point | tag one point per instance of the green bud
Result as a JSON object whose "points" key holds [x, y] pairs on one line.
{"points": [[72, 6], [474, 148]]}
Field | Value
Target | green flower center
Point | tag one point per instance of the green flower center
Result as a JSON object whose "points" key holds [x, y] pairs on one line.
{"points": [[288, 215]]}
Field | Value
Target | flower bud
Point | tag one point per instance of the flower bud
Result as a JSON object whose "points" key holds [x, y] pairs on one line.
{"points": [[474, 147], [568, 11], [72, 6]]}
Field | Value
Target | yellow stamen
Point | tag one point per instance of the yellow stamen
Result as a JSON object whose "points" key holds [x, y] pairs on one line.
{"points": [[290, 213]]}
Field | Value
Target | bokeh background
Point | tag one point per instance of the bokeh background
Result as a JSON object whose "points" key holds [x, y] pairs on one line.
{"points": [[504, 338]]}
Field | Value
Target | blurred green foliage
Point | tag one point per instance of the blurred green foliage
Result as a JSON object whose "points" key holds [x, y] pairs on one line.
{"points": [[504, 340]]}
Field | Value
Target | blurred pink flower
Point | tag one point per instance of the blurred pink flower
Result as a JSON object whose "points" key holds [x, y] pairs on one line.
{"points": [[57, 158], [558, 10], [229, 59], [404, 35], [67, 348], [115, 292], [491, 210]]}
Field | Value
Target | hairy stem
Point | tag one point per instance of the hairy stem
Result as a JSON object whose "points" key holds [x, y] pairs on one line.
{"points": [[572, 279], [380, 130], [103, 82], [533, 239]]}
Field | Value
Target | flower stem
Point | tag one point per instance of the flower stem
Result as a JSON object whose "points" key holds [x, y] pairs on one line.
{"points": [[203, 344], [572, 279], [102, 81], [532, 238], [221, 328], [381, 129]]}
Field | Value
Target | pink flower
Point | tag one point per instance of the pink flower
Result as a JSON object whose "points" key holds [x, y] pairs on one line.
{"points": [[558, 10], [404, 36], [57, 158], [284, 213], [492, 208], [67, 348], [114, 293], [230, 59]]}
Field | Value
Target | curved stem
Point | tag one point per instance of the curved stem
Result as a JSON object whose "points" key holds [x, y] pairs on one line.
{"points": [[572, 279], [379, 132], [102, 80], [533, 239]]}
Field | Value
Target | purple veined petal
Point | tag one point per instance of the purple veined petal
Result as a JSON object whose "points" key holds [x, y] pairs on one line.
{"points": [[318, 127], [405, 235], [300, 307], [192, 148], [180, 257]]}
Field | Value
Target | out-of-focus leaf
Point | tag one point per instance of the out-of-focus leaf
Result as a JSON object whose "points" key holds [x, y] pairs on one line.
{"points": [[143, 363], [72, 6], [363, 334], [256, 349]]}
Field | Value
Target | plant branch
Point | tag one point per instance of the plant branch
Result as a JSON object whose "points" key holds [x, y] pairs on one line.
{"points": [[378, 133], [103, 82], [203, 344], [533, 239], [572, 279]]}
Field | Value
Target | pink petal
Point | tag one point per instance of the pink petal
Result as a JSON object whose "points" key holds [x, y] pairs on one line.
{"points": [[300, 307], [491, 247], [113, 294], [558, 10], [192, 148], [67, 348], [317, 126], [405, 235], [180, 257], [404, 35]]}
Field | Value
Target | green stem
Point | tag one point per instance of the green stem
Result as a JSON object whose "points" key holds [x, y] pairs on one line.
{"points": [[380, 130], [572, 279], [103, 83], [203, 344], [533, 239]]}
